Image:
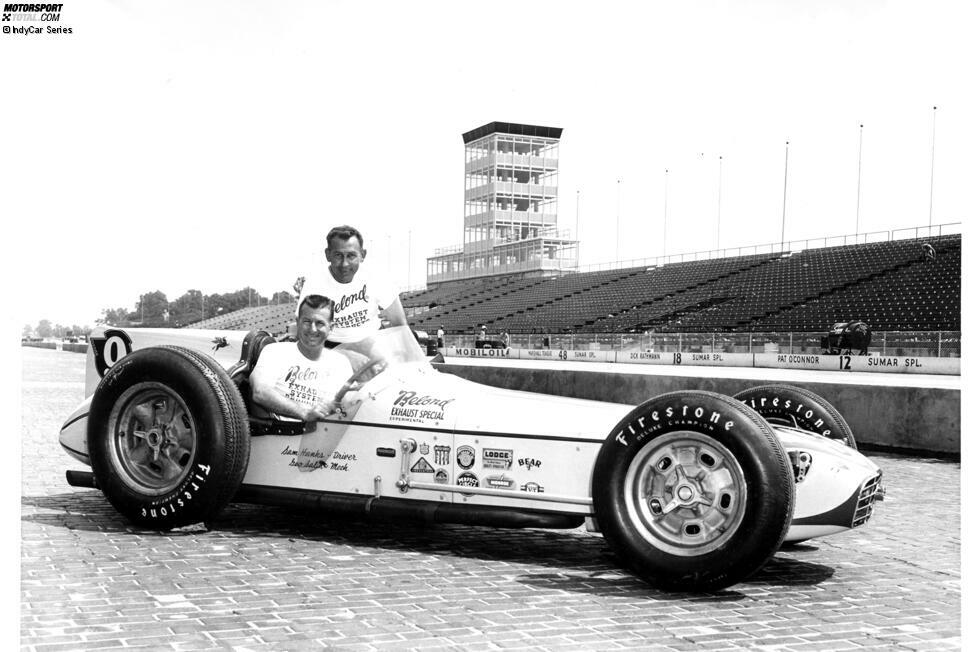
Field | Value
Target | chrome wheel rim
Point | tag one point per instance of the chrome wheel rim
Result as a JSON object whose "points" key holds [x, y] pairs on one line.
{"points": [[685, 493], [154, 438]]}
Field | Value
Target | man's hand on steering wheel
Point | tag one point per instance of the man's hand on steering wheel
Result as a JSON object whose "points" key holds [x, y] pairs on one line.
{"points": [[357, 380]]}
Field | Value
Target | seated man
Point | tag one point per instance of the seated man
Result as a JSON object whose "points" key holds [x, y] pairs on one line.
{"points": [[300, 379]]}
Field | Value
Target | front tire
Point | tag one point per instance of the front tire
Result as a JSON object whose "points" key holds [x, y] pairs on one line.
{"points": [[693, 491], [168, 437], [798, 408]]}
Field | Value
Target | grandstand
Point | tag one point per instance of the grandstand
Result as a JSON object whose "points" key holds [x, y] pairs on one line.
{"points": [[892, 285]]}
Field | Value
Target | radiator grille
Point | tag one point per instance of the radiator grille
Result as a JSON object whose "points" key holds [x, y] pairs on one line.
{"points": [[871, 492]]}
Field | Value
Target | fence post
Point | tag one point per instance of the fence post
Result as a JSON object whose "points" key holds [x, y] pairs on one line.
{"points": [[713, 343], [884, 343], [680, 341], [938, 344], [791, 346]]}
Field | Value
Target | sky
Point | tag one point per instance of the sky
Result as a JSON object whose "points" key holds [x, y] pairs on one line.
{"points": [[187, 145]]}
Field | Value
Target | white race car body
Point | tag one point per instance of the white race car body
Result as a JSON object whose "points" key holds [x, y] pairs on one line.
{"points": [[413, 433]]}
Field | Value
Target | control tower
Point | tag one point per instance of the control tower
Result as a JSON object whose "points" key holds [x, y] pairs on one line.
{"points": [[510, 207]]}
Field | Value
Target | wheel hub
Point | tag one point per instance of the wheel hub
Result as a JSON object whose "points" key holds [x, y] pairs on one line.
{"points": [[687, 493], [154, 438]]}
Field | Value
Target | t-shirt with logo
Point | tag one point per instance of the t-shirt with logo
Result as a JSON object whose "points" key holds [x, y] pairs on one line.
{"points": [[307, 382], [358, 303]]}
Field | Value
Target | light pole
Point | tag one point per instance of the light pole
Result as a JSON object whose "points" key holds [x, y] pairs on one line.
{"points": [[859, 177], [617, 219], [719, 191], [933, 142], [665, 211], [784, 197]]}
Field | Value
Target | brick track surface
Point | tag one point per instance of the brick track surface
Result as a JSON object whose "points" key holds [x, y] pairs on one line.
{"points": [[273, 579]]}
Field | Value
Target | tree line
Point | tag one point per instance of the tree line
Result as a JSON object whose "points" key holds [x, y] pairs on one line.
{"points": [[153, 309]]}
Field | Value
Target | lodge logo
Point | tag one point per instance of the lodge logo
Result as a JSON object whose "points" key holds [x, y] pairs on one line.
{"points": [[497, 458]]}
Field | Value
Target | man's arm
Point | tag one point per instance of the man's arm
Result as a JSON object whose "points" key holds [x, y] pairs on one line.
{"points": [[264, 393], [394, 313]]}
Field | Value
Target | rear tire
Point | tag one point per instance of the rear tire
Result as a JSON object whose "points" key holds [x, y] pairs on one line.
{"points": [[168, 437], [798, 408], [693, 491]]}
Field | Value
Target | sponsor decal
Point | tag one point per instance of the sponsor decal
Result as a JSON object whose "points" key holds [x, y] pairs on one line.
{"points": [[465, 456], [180, 499], [219, 343], [441, 476], [532, 487], [442, 454], [497, 458], [467, 480], [113, 346], [409, 406], [529, 463], [499, 482], [423, 449], [317, 459], [422, 466]]}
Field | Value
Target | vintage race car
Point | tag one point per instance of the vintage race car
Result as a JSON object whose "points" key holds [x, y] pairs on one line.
{"points": [[693, 490]]}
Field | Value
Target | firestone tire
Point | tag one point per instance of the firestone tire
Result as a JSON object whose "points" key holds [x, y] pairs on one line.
{"points": [[168, 437], [693, 491], [799, 408]]}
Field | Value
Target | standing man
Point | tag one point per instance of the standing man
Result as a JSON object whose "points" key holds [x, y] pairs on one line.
{"points": [[363, 299], [441, 336], [300, 380]]}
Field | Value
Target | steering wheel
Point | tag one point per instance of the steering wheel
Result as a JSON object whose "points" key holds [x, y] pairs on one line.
{"points": [[357, 380]]}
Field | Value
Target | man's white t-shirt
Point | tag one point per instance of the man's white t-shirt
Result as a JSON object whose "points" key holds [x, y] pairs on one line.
{"points": [[358, 303], [300, 379]]}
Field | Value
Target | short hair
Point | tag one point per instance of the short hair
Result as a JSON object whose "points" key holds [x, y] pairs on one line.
{"points": [[315, 302], [344, 232]]}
